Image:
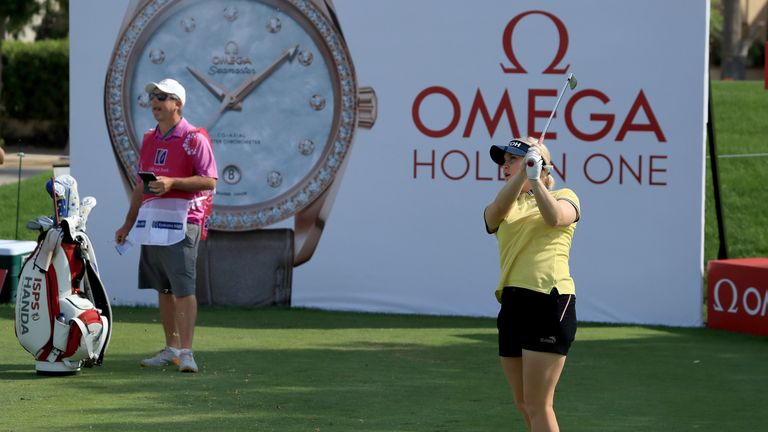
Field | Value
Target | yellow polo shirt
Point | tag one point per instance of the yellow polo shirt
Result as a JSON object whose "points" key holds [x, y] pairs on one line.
{"points": [[533, 254]]}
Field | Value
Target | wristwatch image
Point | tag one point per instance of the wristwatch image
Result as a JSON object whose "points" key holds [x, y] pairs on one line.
{"points": [[273, 83]]}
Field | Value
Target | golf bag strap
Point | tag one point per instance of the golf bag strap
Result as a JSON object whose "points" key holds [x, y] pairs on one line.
{"points": [[52, 240], [100, 300], [102, 342]]}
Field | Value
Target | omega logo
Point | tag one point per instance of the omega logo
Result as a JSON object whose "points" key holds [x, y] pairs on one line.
{"points": [[509, 51], [751, 299], [231, 56]]}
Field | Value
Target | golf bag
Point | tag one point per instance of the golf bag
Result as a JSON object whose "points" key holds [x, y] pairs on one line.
{"points": [[63, 315]]}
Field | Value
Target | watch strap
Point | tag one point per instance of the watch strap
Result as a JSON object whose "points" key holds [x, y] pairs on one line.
{"points": [[251, 268]]}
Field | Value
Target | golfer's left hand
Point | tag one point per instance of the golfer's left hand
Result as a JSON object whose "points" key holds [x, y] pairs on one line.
{"points": [[533, 164]]}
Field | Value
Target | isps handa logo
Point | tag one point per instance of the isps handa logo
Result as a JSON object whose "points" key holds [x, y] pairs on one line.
{"points": [[230, 61], [30, 302]]}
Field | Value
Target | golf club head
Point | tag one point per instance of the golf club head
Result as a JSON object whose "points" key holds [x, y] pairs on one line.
{"points": [[42, 223], [86, 205], [572, 83], [45, 221]]}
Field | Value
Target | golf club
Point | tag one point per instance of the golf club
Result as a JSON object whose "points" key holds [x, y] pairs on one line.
{"points": [[42, 224], [570, 82]]}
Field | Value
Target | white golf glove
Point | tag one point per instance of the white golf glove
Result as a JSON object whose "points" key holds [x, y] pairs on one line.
{"points": [[533, 164]]}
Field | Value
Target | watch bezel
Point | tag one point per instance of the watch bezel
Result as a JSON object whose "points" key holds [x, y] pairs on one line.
{"points": [[151, 15]]}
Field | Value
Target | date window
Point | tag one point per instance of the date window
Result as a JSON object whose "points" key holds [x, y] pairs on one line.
{"points": [[231, 174]]}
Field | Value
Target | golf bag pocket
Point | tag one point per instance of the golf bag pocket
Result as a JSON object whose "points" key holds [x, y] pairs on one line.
{"points": [[61, 332], [80, 330]]}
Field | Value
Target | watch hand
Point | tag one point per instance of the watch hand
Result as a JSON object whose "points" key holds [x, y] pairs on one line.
{"points": [[251, 83], [216, 116], [215, 88]]}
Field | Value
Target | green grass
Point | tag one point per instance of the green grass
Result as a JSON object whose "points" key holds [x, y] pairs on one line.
{"points": [[740, 128], [307, 370], [35, 202]]}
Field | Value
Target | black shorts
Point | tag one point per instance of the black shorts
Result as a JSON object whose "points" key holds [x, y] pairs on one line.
{"points": [[535, 321]]}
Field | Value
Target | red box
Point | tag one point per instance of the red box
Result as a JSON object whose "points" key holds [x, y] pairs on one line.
{"points": [[737, 295]]}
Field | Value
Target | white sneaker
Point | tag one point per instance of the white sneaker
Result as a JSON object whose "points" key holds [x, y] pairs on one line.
{"points": [[164, 357], [187, 361]]}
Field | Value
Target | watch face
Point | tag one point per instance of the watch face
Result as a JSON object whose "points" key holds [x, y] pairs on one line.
{"points": [[270, 80]]}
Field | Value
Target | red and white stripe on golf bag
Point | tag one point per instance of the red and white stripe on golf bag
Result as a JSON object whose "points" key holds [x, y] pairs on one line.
{"points": [[62, 310]]}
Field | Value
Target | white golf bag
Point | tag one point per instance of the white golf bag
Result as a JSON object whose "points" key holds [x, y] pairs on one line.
{"points": [[63, 316]]}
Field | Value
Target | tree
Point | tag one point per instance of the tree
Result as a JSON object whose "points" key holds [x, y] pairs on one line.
{"points": [[55, 22], [715, 32], [14, 15], [734, 63], [735, 45]]}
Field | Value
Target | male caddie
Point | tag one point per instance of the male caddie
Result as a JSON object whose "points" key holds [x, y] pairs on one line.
{"points": [[176, 175]]}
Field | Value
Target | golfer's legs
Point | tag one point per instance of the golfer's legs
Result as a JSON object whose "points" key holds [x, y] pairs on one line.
{"points": [[541, 371], [513, 370]]}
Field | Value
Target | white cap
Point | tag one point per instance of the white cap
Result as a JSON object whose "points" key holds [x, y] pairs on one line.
{"points": [[170, 86]]}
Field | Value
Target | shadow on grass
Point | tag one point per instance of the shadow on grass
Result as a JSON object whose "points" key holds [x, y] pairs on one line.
{"points": [[359, 386], [300, 318]]}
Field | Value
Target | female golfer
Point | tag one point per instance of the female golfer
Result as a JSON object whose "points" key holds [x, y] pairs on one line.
{"points": [[534, 227]]}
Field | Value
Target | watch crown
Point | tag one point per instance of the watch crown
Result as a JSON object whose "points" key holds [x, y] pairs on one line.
{"points": [[366, 107]]}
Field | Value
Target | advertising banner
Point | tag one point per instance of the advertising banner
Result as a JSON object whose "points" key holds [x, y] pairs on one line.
{"points": [[737, 295], [405, 232]]}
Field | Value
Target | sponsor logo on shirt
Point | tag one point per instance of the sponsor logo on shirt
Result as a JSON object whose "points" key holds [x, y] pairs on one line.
{"points": [[161, 155], [168, 225]]}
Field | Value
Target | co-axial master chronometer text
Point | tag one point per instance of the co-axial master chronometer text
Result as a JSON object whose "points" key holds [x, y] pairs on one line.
{"points": [[271, 80]]}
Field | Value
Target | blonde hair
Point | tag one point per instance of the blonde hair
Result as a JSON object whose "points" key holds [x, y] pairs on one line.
{"points": [[547, 178]]}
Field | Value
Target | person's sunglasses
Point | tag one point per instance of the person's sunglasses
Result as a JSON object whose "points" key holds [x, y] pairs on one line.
{"points": [[161, 96]]}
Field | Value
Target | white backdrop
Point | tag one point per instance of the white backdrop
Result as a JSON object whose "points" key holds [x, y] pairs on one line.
{"points": [[629, 140]]}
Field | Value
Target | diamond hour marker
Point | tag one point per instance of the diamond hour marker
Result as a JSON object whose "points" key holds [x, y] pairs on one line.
{"points": [[157, 56], [274, 24], [230, 13], [306, 147], [317, 102], [274, 179], [188, 24], [144, 100], [305, 58]]}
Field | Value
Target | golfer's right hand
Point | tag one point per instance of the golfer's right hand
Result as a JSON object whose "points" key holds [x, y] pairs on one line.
{"points": [[121, 234]]}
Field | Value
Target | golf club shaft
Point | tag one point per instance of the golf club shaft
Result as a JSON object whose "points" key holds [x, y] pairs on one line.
{"points": [[554, 110], [530, 162]]}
